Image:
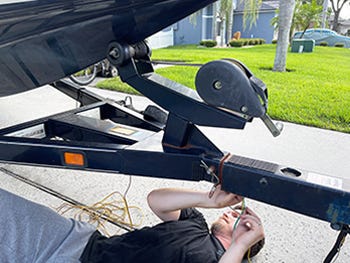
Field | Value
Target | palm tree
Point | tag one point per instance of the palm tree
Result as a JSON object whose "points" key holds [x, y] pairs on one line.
{"points": [[305, 14], [229, 23], [286, 10], [214, 24], [251, 12], [225, 13], [224, 10], [309, 13]]}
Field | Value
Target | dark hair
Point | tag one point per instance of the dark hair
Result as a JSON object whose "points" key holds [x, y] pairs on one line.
{"points": [[255, 249]]}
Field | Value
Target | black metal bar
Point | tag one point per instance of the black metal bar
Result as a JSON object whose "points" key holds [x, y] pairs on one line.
{"points": [[102, 157], [24, 125], [81, 94], [178, 99], [319, 196], [270, 183]]}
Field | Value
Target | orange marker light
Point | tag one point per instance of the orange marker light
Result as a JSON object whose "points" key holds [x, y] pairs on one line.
{"points": [[74, 158]]}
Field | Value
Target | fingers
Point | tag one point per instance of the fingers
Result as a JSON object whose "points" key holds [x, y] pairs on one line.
{"points": [[251, 212], [251, 222], [247, 211], [218, 187], [223, 198]]}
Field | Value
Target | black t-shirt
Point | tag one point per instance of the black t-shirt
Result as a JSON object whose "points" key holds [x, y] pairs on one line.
{"points": [[184, 241]]}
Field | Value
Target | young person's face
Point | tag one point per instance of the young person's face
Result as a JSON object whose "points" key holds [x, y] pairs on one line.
{"points": [[224, 224]]}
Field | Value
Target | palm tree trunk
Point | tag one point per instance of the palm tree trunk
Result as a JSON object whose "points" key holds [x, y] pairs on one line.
{"points": [[285, 21], [214, 24], [324, 13], [229, 22]]}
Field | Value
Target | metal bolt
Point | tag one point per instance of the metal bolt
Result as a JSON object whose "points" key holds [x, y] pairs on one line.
{"points": [[114, 53], [217, 85], [244, 109]]}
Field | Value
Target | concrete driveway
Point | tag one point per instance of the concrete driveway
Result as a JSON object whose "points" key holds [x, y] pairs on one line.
{"points": [[289, 237]]}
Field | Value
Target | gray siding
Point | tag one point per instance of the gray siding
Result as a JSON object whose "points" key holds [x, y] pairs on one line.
{"points": [[262, 29], [187, 33]]}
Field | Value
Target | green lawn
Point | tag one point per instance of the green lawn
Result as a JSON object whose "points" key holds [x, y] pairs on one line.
{"points": [[315, 91]]}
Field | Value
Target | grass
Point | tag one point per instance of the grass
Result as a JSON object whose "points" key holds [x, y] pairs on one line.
{"points": [[315, 91]]}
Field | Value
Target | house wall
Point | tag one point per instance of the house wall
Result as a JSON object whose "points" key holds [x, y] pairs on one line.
{"points": [[186, 32], [164, 38], [262, 29], [344, 27]]}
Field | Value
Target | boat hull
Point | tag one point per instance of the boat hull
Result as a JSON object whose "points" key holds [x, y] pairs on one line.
{"points": [[44, 41]]}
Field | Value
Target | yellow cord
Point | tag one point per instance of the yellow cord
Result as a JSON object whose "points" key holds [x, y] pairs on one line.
{"points": [[113, 207], [248, 256]]}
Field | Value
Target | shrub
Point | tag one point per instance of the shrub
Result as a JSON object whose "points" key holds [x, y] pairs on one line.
{"points": [[339, 44], [245, 41], [274, 41], [324, 43], [208, 43], [251, 41], [236, 43]]}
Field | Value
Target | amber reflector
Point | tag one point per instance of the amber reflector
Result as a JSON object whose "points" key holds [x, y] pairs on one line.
{"points": [[74, 159]]}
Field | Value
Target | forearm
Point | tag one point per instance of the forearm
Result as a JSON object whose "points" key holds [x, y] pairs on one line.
{"points": [[234, 254], [167, 203]]}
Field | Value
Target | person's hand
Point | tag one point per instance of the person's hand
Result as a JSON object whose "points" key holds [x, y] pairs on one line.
{"points": [[249, 230], [222, 198]]}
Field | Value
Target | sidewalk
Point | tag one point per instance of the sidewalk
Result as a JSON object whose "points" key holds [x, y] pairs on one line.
{"points": [[289, 237]]}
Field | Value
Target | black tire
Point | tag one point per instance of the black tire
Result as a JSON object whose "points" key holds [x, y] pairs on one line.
{"points": [[85, 76]]}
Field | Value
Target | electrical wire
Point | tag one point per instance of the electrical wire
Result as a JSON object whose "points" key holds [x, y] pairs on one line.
{"points": [[89, 211], [237, 221], [241, 213], [114, 207], [339, 248], [248, 256]]}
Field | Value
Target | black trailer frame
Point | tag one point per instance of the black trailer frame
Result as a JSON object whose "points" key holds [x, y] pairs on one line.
{"points": [[104, 135]]}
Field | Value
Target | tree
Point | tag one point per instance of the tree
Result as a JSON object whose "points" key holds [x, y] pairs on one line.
{"points": [[337, 6], [307, 14], [251, 12], [214, 24], [225, 14], [222, 10], [226, 11], [229, 21], [286, 10]]}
